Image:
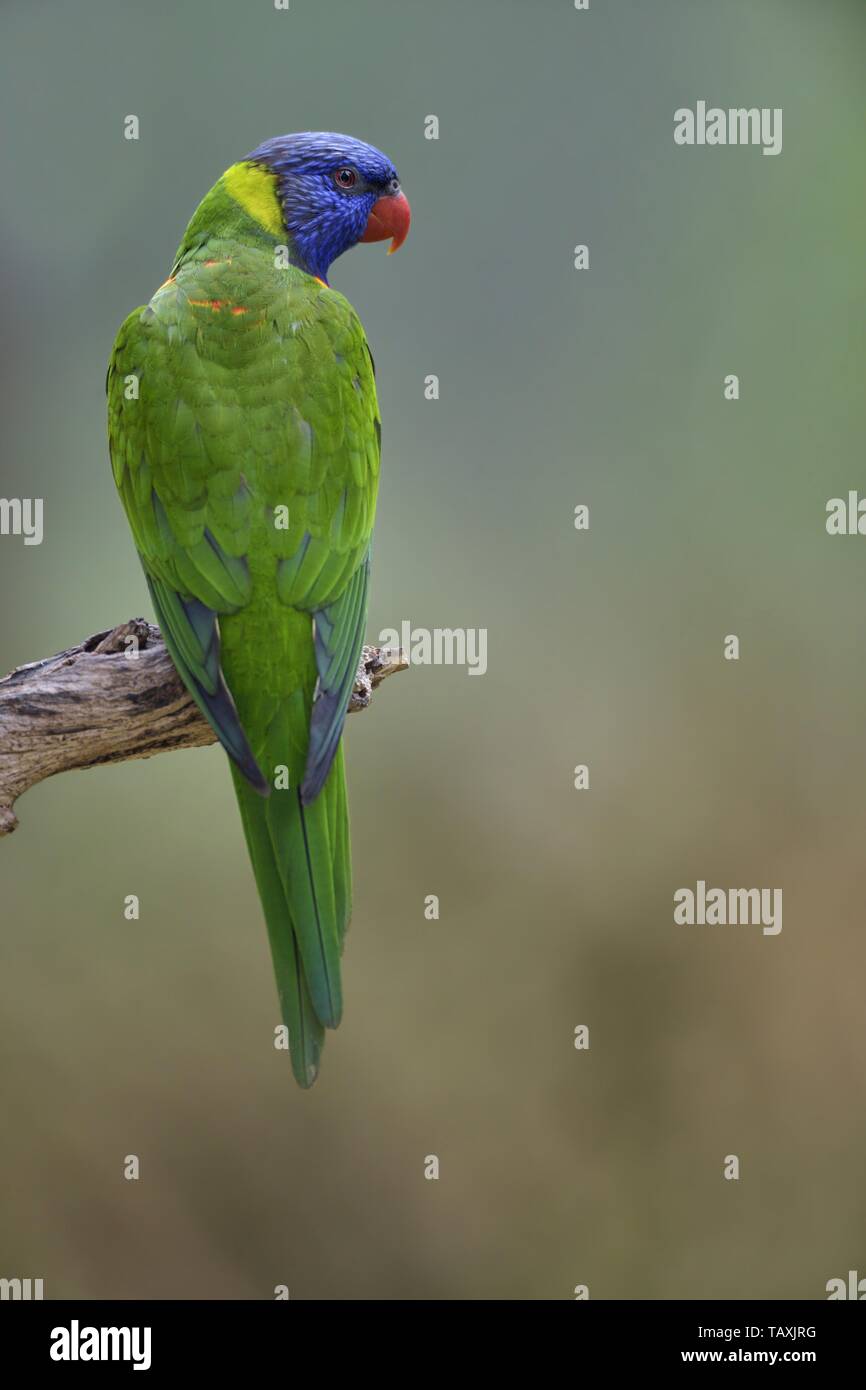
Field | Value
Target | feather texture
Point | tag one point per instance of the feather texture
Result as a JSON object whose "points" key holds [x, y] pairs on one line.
{"points": [[244, 437]]}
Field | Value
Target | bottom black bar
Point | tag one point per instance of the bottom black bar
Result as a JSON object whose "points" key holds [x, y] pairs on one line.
{"points": [[154, 1338]]}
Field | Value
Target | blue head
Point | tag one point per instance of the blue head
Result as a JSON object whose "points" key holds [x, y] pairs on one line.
{"points": [[335, 191]]}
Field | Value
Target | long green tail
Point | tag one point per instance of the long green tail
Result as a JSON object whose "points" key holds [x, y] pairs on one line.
{"points": [[302, 864]]}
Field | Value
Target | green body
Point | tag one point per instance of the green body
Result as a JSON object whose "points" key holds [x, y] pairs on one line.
{"points": [[244, 440]]}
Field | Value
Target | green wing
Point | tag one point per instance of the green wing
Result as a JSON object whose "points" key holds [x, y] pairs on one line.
{"points": [[217, 418], [191, 576]]}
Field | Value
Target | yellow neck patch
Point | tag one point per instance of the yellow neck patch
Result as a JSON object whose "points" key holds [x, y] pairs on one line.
{"points": [[256, 191]]}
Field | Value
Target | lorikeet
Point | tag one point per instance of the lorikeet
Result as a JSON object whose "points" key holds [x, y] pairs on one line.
{"points": [[244, 435]]}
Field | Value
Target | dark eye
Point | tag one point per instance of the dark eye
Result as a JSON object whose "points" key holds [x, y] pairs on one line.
{"points": [[345, 178]]}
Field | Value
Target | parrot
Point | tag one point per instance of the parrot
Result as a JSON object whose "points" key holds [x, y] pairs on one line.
{"points": [[244, 436]]}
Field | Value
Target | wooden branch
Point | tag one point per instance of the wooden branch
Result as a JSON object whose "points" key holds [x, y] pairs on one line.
{"points": [[116, 696]]}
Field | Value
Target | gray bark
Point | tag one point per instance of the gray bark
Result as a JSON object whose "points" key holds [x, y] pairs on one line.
{"points": [[114, 697]]}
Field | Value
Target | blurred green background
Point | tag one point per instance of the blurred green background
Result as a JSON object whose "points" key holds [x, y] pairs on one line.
{"points": [[558, 387]]}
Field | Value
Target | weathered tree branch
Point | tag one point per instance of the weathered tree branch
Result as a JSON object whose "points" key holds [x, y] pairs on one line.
{"points": [[116, 696]]}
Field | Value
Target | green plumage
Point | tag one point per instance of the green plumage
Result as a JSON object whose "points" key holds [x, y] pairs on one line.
{"points": [[243, 428]]}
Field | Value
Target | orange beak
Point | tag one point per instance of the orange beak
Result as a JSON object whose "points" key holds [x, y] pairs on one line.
{"points": [[389, 217]]}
